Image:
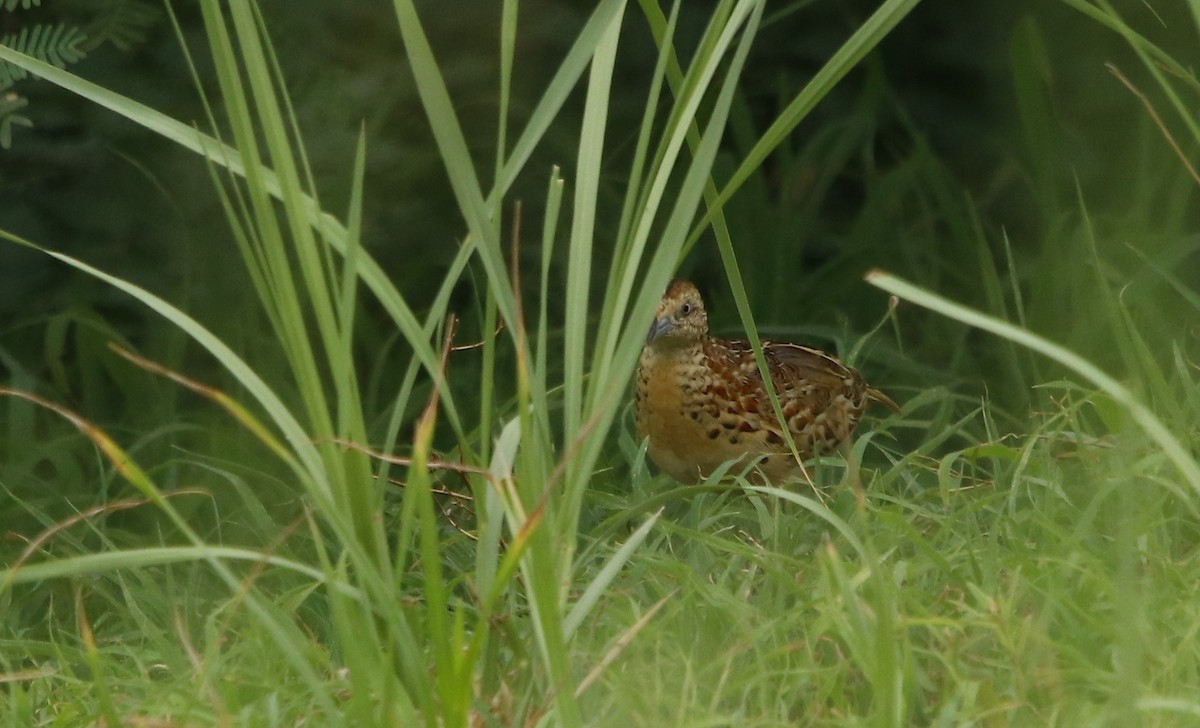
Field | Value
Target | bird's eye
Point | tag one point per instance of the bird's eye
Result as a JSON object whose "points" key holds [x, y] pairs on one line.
{"points": [[686, 309]]}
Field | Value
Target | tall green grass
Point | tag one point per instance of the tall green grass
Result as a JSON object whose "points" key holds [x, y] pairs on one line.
{"points": [[999, 567]]}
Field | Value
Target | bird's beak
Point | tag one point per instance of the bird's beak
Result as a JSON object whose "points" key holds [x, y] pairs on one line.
{"points": [[660, 327]]}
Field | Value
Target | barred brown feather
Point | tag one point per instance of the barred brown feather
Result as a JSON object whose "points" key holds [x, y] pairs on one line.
{"points": [[701, 401]]}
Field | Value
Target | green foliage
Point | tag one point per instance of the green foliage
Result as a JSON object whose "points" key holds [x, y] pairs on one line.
{"points": [[10, 104], [11, 5], [123, 23], [59, 45], [200, 536]]}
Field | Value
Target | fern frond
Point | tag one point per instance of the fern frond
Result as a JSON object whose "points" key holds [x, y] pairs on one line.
{"points": [[11, 5], [124, 23], [10, 104], [58, 45]]}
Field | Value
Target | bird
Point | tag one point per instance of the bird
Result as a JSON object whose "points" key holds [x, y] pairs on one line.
{"points": [[701, 402]]}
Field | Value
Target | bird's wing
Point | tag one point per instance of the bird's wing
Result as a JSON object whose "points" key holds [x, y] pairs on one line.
{"points": [[792, 363], [804, 378]]}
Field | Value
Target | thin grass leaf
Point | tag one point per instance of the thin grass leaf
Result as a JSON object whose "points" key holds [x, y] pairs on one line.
{"points": [[223, 155], [868, 35], [285, 635], [595, 590], [1153, 426], [106, 562], [308, 463], [556, 94], [614, 366], [583, 220], [617, 312], [455, 154]]}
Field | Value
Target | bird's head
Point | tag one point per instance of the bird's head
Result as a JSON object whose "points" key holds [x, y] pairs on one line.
{"points": [[680, 318]]}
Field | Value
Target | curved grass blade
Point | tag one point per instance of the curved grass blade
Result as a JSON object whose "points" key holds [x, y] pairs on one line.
{"points": [[868, 35], [1149, 422]]}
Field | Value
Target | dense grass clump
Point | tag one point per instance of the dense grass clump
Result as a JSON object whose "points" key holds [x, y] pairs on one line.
{"points": [[319, 466]]}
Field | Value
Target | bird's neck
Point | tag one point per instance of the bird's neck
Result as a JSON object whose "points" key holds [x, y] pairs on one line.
{"points": [[672, 348]]}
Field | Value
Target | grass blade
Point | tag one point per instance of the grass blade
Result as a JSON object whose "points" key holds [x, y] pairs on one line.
{"points": [[1153, 426]]}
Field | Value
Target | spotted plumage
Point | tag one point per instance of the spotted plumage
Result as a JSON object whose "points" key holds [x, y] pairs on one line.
{"points": [[701, 400]]}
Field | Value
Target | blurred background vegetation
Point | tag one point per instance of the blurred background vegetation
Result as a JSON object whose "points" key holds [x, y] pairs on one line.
{"points": [[991, 154], [969, 144], [1002, 115]]}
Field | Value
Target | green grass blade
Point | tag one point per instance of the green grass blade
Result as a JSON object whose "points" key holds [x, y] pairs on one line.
{"points": [[556, 94], [583, 220], [226, 156], [455, 154], [1153, 426], [308, 465], [868, 35], [595, 590]]}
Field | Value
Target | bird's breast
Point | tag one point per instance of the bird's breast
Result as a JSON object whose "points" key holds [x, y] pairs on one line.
{"points": [[690, 415]]}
